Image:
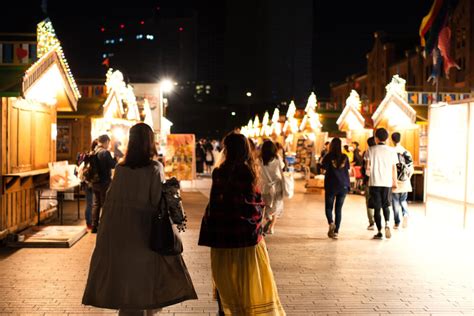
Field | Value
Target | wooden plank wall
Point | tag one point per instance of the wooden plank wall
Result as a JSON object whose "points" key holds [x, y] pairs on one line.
{"points": [[26, 145], [80, 137]]}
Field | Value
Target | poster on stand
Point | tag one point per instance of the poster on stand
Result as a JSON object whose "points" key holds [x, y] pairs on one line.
{"points": [[180, 157]]}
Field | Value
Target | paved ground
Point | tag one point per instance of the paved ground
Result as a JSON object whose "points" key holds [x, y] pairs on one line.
{"points": [[425, 269]]}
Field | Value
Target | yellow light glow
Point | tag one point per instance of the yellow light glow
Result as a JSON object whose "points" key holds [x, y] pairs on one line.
{"points": [[311, 104], [54, 131], [45, 89], [148, 115], [291, 110]]}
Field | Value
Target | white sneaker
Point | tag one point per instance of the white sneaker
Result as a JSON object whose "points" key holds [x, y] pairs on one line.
{"points": [[405, 222], [370, 227]]}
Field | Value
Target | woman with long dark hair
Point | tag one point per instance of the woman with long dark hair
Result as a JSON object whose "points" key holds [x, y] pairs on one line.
{"points": [[125, 273], [272, 184], [232, 228], [336, 184]]}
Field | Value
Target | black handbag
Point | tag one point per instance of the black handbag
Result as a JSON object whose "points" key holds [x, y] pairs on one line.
{"points": [[165, 238]]}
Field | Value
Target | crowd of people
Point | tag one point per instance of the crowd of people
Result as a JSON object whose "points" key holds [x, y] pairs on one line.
{"points": [[207, 155], [386, 172], [246, 199]]}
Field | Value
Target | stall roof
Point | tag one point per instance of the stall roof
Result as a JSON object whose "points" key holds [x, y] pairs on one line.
{"points": [[399, 102]]}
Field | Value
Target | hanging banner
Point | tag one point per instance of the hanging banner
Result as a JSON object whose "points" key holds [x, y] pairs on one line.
{"points": [[180, 159]]}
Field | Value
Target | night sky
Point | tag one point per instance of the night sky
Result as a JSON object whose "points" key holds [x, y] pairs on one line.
{"points": [[343, 30]]}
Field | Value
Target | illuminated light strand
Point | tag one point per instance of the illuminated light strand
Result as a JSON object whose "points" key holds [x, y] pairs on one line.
{"points": [[47, 42]]}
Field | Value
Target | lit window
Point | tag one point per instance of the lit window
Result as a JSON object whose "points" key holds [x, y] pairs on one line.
{"points": [[233, 113]]}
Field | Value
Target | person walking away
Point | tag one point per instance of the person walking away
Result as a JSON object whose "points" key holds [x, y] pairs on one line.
{"points": [[105, 165], [124, 273], [365, 183], [358, 159], [87, 187], [382, 162], [272, 184], [232, 228], [336, 184], [200, 156], [405, 171], [209, 157]]}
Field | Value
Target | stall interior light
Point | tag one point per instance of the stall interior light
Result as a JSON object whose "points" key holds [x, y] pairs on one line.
{"points": [[54, 131], [46, 89]]}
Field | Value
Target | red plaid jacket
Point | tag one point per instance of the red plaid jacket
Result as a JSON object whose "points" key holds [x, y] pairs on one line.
{"points": [[233, 218]]}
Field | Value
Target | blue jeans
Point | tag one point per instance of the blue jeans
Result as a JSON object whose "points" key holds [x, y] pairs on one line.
{"points": [[399, 200], [89, 198], [329, 198]]}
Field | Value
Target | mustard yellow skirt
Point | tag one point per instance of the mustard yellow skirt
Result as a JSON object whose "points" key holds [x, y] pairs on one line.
{"points": [[244, 279]]}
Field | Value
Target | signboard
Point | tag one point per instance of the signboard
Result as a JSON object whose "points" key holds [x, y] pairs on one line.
{"points": [[180, 158], [447, 151]]}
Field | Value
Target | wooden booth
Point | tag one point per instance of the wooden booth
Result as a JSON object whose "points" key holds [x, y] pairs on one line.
{"points": [[30, 99], [396, 115], [352, 122]]}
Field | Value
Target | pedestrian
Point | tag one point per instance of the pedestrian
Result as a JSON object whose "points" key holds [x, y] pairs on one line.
{"points": [[365, 183], [349, 153], [405, 171], [358, 159], [105, 165], [271, 166], [336, 184], [87, 187], [382, 162], [125, 274], [209, 157], [200, 156], [232, 228], [323, 153]]}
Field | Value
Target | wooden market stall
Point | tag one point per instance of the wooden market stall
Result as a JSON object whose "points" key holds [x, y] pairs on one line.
{"points": [[396, 115], [352, 122], [120, 112], [29, 101]]}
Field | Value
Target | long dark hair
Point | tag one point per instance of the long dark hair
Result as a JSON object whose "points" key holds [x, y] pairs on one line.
{"points": [[141, 147], [336, 152], [269, 152], [237, 153]]}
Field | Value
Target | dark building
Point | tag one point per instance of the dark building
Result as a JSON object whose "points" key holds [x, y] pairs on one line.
{"points": [[391, 55], [151, 46], [269, 51]]}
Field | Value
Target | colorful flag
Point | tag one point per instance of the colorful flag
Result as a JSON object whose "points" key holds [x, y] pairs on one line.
{"points": [[444, 44]]}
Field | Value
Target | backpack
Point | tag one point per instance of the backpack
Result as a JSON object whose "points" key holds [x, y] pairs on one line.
{"points": [[403, 166], [90, 168]]}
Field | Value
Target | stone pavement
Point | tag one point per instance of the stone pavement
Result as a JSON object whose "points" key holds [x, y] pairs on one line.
{"points": [[426, 269]]}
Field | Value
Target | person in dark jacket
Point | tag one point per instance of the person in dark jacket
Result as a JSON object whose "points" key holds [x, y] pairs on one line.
{"points": [[336, 184], [106, 164], [239, 260]]}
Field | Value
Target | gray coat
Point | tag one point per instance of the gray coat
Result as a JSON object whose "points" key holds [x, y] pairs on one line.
{"points": [[124, 272]]}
